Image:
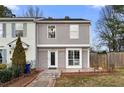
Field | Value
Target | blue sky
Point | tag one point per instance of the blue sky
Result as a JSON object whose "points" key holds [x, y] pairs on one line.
{"points": [[90, 12]]}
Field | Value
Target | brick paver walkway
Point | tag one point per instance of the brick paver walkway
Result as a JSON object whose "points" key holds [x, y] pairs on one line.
{"points": [[45, 79]]}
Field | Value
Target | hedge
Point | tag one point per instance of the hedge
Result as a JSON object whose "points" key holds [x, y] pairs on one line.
{"points": [[8, 74]]}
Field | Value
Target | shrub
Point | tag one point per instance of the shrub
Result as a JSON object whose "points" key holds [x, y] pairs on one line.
{"points": [[19, 57], [2, 66], [8, 74], [102, 52], [16, 72], [5, 75]]}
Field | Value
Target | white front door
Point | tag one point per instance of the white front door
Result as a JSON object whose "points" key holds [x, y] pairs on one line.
{"points": [[52, 59]]}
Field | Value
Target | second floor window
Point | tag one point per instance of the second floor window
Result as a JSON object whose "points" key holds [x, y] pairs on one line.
{"points": [[19, 29], [74, 31], [51, 31]]}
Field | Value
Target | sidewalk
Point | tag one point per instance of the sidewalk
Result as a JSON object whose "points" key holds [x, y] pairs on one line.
{"points": [[46, 78]]}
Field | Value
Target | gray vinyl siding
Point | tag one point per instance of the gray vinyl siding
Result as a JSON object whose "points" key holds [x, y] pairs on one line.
{"points": [[42, 61], [43, 58], [62, 58], [84, 58], [63, 34]]}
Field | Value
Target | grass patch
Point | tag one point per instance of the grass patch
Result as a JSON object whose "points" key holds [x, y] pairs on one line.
{"points": [[111, 80]]}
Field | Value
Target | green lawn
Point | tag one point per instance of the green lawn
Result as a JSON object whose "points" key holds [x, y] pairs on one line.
{"points": [[111, 80]]}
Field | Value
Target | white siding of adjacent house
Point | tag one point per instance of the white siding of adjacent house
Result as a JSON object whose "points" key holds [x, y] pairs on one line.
{"points": [[29, 39]]}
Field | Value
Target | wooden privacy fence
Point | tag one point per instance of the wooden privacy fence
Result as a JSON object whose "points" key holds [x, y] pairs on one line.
{"points": [[105, 60]]}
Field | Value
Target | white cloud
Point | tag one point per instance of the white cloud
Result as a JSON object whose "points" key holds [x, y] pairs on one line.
{"points": [[13, 7], [98, 6]]}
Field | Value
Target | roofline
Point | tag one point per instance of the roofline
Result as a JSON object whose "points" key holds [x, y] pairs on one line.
{"points": [[17, 19], [63, 21], [16, 40], [39, 20]]}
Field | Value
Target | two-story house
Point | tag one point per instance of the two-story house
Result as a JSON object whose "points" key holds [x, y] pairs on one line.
{"points": [[63, 43], [48, 43], [9, 28]]}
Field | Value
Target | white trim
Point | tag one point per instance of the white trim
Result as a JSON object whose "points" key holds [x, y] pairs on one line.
{"points": [[88, 58], [63, 21], [56, 58], [63, 45], [47, 31], [80, 50]]}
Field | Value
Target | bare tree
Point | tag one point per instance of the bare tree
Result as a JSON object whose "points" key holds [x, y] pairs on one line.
{"points": [[33, 11], [108, 27]]}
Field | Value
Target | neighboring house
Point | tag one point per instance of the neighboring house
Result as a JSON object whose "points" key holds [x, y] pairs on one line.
{"points": [[63, 43], [9, 28], [48, 43]]}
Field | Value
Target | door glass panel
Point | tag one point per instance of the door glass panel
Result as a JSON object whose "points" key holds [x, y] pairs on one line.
{"points": [[52, 58]]}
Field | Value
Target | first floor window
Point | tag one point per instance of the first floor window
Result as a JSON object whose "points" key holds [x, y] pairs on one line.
{"points": [[73, 57], [51, 31], [2, 56]]}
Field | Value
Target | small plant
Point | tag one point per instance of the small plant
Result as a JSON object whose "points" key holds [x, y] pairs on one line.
{"points": [[15, 71], [3, 66]]}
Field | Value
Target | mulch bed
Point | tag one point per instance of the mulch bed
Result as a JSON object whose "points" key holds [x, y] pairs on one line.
{"points": [[21, 81]]}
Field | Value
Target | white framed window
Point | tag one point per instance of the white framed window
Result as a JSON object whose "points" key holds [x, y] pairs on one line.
{"points": [[73, 58], [1, 56], [74, 31], [51, 29], [19, 29], [1, 30]]}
